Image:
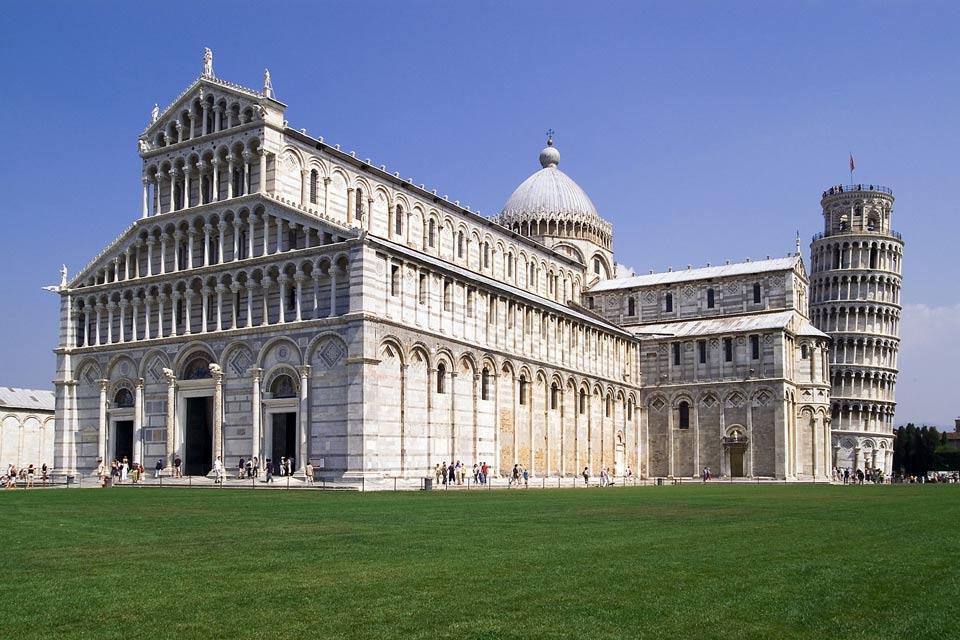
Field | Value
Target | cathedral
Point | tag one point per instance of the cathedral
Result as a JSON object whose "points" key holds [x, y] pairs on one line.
{"points": [[279, 297]]}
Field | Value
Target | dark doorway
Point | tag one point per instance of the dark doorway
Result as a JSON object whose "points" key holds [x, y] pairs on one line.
{"points": [[198, 445], [284, 439], [736, 463], [123, 440]]}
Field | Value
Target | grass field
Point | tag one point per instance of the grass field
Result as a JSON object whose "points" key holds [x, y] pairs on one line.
{"points": [[668, 562]]}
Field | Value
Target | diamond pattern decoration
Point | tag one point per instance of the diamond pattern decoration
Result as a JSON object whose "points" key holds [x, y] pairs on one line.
{"points": [[736, 400], [763, 398], [240, 362], [156, 370], [658, 404], [709, 401], [331, 353]]}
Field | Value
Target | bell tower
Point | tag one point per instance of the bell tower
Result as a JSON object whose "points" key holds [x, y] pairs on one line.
{"points": [[855, 277]]}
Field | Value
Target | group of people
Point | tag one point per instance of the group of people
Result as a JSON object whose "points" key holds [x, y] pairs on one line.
{"points": [[456, 473], [706, 474], [26, 475], [858, 476], [119, 472], [606, 476]]}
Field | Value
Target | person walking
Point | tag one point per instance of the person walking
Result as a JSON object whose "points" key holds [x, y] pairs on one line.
{"points": [[159, 468], [308, 471], [101, 472], [586, 476], [177, 467], [124, 469], [526, 478], [241, 467], [218, 471], [268, 466]]}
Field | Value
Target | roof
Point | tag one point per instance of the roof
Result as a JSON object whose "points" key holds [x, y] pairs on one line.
{"points": [[702, 273], [735, 324], [32, 399], [472, 276]]}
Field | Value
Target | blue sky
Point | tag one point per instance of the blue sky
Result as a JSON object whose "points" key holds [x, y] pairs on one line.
{"points": [[703, 131]]}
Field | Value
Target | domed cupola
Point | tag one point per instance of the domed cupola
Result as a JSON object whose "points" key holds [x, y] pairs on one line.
{"points": [[552, 209]]}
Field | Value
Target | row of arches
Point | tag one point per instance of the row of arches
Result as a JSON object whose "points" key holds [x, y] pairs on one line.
{"points": [[236, 299], [873, 352], [208, 113], [598, 231], [878, 320], [857, 254], [856, 287], [863, 385]]}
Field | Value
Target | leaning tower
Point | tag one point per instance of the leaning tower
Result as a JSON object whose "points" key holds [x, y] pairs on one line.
{"points": [[856, 264]]}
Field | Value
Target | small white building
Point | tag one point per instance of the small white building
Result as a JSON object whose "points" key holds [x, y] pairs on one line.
{"points": [[26, 427]]}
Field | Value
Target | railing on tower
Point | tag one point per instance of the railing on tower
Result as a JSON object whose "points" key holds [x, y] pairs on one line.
{"points": [[853, 188], [855, 232]]}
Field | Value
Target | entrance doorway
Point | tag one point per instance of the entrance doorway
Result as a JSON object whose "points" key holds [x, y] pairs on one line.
{"points": [[284, 438], [619, 458], [123, 440], [736, 462], [198, 436]]}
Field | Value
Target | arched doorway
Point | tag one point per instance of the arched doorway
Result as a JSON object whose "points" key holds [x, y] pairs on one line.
{"points": [[122, 425], [281, 437], [735, 445], [198, 417], [620, 455]]}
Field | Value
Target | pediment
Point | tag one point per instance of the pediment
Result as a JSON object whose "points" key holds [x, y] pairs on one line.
{"points": [[239, 104]]}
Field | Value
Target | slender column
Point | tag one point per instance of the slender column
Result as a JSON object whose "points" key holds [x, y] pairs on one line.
{"points": [[204, 308], [235, 228], [265, 286], [250, 288], [333, 292], [146, 317], [263, 172], [222, 231], [116, 270], [102, 426], [193, 124], [218, 118], [173, 189], [157, 188], [234, 289], [145, 211], [163, 253], [207, 229], [299, 279], [279, 247], [220, 289], [230, 167], [316, 294], [177, 238], [128, 258], [191, 234], [86, 326], [217, 375], [282, 281], [350, 205], [138, 421], [179, 126], [266, 234], [251, 221], [304, 187], [304, 416], [187, 171], [255, 413], [171, 416], [160, 300], [215, 186], [206, 111], [247, 161], [187, 319], [175, 297], [124, 303], [110, 307], [326, 195], [201, 167]]}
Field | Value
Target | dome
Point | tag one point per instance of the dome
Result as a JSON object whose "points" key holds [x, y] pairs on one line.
{"points": [[548, 193]]}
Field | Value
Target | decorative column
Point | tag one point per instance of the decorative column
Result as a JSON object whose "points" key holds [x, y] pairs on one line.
{"points": [[235, 290], [207, 229], [265, 286], [124, 303], [206, 111], [173, 189], [177, 238], [266, 234], [161, 298], [171, 416], [326, 195], [220, 289], [145, 211], [110, 307], [146, 317], [251, 221], [193, 123], [175, 297], [86, 325], [299, 278], [247, 160], [102, 426], [217, 374], [304, 416], [255, 413], [163, 253], [215, 187], [191, 234], [333, 291], [204, 308], [187, 315], [230, 160], [263, 172], [282, 282], [138, 422], [250, 287]]}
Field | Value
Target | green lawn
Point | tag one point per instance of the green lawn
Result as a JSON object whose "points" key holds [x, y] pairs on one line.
{"points": [[657, 562]]}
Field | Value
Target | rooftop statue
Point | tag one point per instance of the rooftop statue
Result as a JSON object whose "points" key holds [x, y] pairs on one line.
{"points": [[207, 62]]}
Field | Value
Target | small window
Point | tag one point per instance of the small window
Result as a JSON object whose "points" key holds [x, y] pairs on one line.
{"points": [[803, 352], [314, 181], [292, 298], [523, 390], [441, 378], [470, 302], [756, 293], [728, 349], [608, 411], [485, 384], [590, 302], [583, 402], [423, 289], [554, 396], [755, 347], [711, 298], [702, 351], [432, 234], [459, 244], [358, 207], [448, 296], [486, 255], [394, 280], [630, 410], [398, 221], [683, 410], [676, 353], [291, 239], [631, 306], [668, 302], [242, 245], [596, 266], [510, 265], [123, 399]]}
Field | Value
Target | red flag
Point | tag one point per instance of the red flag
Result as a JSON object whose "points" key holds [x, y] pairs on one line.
{"points": [[853, 165]]}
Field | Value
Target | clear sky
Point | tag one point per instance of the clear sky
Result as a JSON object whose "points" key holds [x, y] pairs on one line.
{"points": [[702, 130]]}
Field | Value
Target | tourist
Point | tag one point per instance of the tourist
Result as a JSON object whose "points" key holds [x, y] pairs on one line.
{"points": [[177, 467], [256, 466], [159, 468], [240, 468], [451, 474], [44, 473], [249, 468], [135, 473], [288, 463], [526, 478], [101, 472], [515, 475], [142, 470], [30, 473], [859, 476], [268, 468], [282, 466], [484, 472], [846, 476], [218, 471], [586, 476], [308, 472], [437, 473], [628, 473], [124, 469], [603, 477], [476, 473]]}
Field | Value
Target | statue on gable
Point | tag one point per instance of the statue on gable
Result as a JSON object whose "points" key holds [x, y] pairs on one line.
{"points": [[154, 113], [142, 145], [63, 276], [267, 84], [207, 62]]}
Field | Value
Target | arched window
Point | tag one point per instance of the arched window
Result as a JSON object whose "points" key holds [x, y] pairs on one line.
{"points": [[237, 183], [711, 298], [510, 265], [398, 221], [756, 293], [631, 306], [123, 399], [609, 407], [683, 409], [803, 352], [629, 409], [523, 389], [282, 387], [486, 255], [668, 302], [554, 396], [314, 183], [358, 206], [432, 234], [422, 293], [485, 384], [441, 378], [583, 401], [197, 369], [459, 244]]}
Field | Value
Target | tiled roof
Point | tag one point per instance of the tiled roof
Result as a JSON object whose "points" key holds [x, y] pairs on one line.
{"points": [[702, 273], [32, 399]]}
